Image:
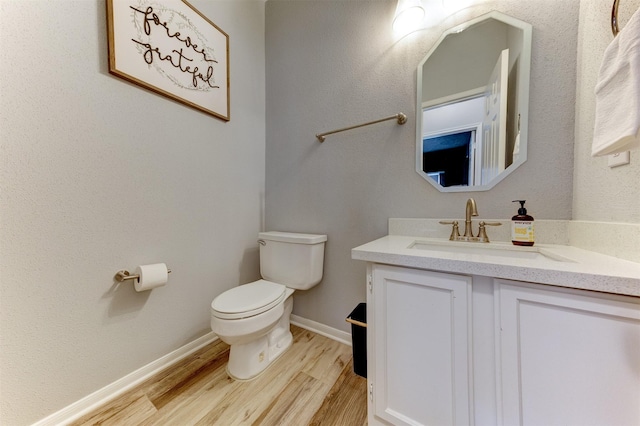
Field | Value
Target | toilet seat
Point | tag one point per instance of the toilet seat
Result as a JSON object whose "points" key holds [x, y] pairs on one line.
{"points": [[248, 300]]}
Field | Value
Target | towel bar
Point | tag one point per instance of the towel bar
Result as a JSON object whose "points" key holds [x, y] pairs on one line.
{"points": [[400, 117]]}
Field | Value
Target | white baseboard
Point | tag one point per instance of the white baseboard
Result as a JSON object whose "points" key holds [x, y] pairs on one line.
{"points": [[321, 329], [120, 386], [117, 388]]}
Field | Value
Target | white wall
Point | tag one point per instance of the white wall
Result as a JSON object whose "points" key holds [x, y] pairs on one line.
{"points": [[332, 64], [99, 175], [600, 193]]}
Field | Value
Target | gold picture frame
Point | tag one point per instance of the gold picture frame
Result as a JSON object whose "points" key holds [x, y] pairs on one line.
{"points": [[170, 48]]}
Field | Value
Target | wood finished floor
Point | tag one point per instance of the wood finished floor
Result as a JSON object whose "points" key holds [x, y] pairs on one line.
{"points": [[311, 384]]}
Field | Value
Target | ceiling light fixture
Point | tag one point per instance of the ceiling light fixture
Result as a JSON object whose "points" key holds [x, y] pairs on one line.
{"points": [[409, 14]]}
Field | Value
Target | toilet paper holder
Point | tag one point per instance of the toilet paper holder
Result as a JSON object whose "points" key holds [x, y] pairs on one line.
{"points": [[125, 275]]}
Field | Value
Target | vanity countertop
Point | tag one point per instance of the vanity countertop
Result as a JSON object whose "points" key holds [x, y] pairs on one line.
{"points": [[579, 268]]}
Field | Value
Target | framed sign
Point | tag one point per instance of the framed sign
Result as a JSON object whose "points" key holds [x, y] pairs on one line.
{"points": [[169, 47]]}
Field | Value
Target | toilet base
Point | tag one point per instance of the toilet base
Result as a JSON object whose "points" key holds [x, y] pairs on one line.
{"points": [[248, 360]]}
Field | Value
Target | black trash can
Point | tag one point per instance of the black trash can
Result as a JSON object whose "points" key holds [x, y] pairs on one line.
{"points": [[358, 320]]}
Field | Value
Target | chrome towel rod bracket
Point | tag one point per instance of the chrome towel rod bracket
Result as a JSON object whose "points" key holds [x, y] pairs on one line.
{"points": [[400, 117]]}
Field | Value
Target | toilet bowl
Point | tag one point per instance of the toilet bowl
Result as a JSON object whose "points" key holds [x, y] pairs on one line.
{"points": [[254, 318]]}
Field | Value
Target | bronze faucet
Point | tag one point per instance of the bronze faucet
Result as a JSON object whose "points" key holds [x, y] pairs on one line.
{"points": [[470, 210]]}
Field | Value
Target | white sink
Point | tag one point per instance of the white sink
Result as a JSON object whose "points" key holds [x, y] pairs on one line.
{"points": [[489, 250]]}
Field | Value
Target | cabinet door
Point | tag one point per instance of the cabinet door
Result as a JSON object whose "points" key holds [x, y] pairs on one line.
{"points": [[567, 357], [421, 340]]}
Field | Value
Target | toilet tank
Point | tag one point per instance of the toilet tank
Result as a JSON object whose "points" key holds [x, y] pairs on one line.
{"points": [[291, 259]]}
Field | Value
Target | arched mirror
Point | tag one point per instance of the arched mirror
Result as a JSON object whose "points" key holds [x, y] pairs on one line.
{"points": [[473, 104]]}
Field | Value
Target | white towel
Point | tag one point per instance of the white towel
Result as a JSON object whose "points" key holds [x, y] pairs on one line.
{"points": [[617, 121]]}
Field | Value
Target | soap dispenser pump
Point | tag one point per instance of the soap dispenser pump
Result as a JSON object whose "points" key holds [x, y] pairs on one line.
{"points": [[522, 227]]}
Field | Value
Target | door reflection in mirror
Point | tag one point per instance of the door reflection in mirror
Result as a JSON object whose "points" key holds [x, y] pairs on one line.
{"points": [[449, 145]]}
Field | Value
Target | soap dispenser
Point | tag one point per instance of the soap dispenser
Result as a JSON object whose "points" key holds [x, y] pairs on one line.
{"points": [[522, 227]]}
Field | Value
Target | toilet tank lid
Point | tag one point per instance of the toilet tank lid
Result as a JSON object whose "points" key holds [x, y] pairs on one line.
{"points": [[291, 237]]}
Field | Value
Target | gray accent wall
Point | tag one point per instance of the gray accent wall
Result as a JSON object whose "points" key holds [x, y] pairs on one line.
{"points": [[332, 64]]}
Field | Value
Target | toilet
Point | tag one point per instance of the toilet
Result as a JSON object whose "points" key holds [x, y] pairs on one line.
{"points": [[254, 318]]}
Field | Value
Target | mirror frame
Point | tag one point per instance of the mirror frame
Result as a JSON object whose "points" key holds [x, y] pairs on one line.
{"points": [[523, 99]]}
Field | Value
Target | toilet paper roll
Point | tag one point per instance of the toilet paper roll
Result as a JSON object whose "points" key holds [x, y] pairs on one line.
{"points": [[151, 276]]}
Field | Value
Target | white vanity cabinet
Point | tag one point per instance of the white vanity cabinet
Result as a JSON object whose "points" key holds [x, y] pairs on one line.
{"points": [[419, 339], [495, 334], [567, 357], [454, 349]]}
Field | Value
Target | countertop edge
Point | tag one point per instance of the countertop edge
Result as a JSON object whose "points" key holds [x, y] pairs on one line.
{"points": [[387, 253]]}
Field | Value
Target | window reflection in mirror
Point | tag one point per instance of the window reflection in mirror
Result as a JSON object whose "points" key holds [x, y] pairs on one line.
{"points": [[473, 104]]}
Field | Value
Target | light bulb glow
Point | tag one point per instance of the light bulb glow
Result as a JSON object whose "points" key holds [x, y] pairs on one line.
{"points": [[408, 17]]}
